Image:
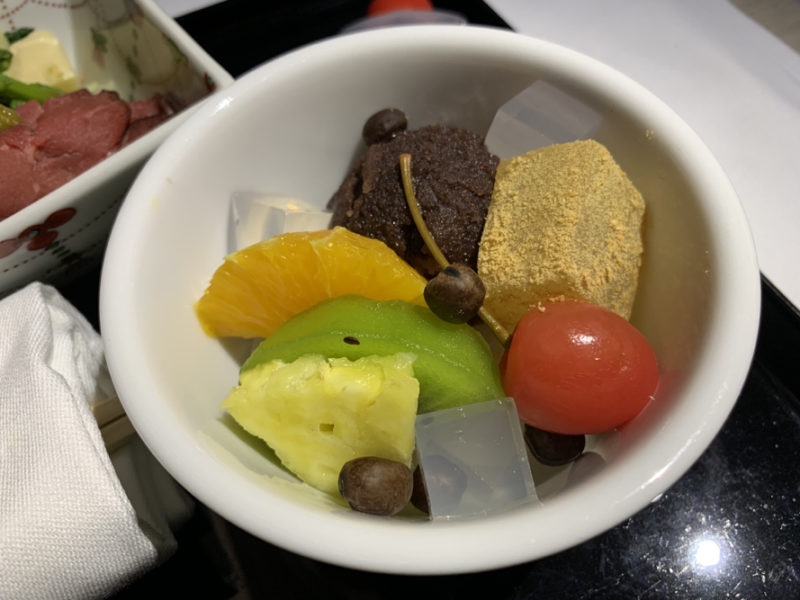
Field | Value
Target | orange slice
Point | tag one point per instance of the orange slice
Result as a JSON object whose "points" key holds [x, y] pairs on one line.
{"points": [[260, 287]]}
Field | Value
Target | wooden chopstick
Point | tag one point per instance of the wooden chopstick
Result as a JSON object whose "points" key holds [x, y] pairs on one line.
{"points": [[115, 428]]}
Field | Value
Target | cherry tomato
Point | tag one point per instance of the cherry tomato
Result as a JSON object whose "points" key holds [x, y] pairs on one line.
{"points": [[379, 7], [576, 368]]}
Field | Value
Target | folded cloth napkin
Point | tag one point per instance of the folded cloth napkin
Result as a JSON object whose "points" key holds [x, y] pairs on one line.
{"points": [[67, 526]]}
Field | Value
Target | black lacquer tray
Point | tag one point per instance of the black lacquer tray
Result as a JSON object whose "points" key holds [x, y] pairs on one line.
{"points": [[730, 528]]}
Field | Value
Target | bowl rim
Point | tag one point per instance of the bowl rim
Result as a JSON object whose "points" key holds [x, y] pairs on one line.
{"points": [[490, 542]]}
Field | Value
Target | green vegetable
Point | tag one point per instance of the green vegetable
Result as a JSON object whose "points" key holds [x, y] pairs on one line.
{"points": [[6, 39], [14, 92], [8, 118], [5, 59], [18, 34]]}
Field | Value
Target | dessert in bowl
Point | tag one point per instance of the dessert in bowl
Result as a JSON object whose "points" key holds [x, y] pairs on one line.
{"points": [[291, 127]]}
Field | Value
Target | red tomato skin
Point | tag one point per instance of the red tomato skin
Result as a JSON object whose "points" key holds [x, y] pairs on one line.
{"points": [[379, 7], [577, 368]]}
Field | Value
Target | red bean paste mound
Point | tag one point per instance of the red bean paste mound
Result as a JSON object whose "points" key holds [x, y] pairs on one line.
{"points": [[453, 176]]}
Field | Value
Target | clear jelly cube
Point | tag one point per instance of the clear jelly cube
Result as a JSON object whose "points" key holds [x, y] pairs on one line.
{"points": [[473, 460], [539, 116], [256, 216]]}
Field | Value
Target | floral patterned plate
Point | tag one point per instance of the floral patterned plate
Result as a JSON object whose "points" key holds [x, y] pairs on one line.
{"points": [[128, 46]]}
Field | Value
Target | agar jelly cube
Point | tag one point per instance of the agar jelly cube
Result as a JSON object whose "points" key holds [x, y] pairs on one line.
{"points": [[540, 115], [473, 460], [255, 216]]}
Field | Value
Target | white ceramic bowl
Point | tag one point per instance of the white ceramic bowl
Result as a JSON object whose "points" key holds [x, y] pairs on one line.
{"points": [[292, 126], [132, 48]]}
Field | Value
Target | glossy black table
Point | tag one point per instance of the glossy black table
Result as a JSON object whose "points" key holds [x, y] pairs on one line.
{"points": [[730, 528]]}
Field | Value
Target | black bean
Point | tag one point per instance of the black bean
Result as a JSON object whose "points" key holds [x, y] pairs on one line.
{"points": [[449, 480], [419, 495], [384, 126], [553, 449], [375, 485], [455, 294]]}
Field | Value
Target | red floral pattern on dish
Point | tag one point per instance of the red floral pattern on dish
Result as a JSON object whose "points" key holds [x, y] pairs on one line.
{"points": [[38, 237]]}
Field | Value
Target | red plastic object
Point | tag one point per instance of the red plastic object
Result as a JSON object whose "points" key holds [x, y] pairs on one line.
{"points": [[379, 7]]}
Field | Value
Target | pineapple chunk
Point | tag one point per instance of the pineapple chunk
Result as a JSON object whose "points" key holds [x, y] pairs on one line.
{"points": [[318, 413]]}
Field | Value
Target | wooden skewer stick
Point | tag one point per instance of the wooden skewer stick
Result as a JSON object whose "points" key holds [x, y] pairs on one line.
{"points": [[115, 427]]}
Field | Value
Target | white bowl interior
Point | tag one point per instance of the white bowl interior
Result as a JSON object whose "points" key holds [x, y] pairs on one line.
{"points": [[293, 127]]}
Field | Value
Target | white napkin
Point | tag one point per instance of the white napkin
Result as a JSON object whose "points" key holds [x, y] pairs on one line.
{"points": [[67, 526]]}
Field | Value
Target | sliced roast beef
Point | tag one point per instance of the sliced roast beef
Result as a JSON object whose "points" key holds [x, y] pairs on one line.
{"points": [[17, 183], [154, 106], [146, 115], [81, 123], [141, 126], [30, 111], [66, 136]]}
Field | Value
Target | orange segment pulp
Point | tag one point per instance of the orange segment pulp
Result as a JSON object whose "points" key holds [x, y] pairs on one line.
{"points": [[260, 287]]}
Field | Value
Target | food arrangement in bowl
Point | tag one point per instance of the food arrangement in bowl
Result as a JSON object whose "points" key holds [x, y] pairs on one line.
{"points": [[510, 322], [348, 360], [79, 86]]}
